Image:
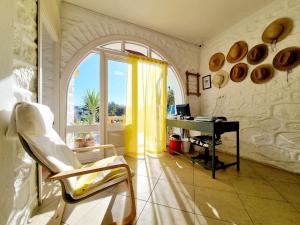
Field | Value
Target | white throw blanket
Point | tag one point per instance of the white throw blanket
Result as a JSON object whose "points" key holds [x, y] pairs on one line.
{"points": [[41, 125]]}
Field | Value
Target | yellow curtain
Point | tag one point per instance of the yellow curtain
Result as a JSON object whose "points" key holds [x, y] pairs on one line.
{"points": [[146, 107]]}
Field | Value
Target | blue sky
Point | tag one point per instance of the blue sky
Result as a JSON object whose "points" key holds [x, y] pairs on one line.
{"points": [[89, 78]]}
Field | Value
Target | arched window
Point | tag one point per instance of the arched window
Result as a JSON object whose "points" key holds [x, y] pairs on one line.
{"points": [[96, 96]]}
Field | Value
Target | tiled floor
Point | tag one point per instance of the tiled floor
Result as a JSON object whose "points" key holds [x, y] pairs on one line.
{"points": [[169, 190]]}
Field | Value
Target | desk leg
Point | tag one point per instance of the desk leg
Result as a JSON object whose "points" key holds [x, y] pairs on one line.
{"points": [[238, 150], [213, 156]]}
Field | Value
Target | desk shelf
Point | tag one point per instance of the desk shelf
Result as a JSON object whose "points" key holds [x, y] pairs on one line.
{"points": [[210, 127]]}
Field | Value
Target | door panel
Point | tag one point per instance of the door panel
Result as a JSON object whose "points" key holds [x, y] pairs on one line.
{"points": [[117, 73], [84, 102]]}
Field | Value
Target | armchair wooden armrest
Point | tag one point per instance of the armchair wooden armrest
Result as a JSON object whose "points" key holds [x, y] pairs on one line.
{"points": [[77, 172], [84, 149], [87, 170]]}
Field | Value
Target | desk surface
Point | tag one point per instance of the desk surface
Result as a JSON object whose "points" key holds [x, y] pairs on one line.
{"points": [[205, 126]]}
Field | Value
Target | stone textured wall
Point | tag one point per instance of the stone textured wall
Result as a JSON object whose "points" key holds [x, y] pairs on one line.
{"points": [[18, 174], [24, 63], [269, 114], [81, 26]]}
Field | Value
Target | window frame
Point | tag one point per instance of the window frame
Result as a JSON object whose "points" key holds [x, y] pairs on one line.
{"points": [[104, 52]]}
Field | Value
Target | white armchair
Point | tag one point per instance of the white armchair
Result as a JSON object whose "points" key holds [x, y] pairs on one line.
{"points": [[34, 127]]}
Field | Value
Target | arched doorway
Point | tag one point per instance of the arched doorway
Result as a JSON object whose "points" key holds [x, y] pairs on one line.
{"points": [[96, 92]]}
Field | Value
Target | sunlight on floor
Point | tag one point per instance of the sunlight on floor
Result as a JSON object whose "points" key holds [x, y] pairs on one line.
{"points": [[170, 190]]}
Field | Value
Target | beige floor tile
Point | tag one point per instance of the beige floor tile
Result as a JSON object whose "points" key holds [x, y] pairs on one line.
{"points": [[255, 187], [221, 173], [202, 220], [122, 207], [177, 161], [149, 169], [39, 219], [297, 206], [75, 212], [291, 192], [168, 181], [245, 171], [178, 174], [270, 212], [274, 174], [220, 205], [154, 214], [133, 162], [175, 195], [142, 186], [204, 179]]}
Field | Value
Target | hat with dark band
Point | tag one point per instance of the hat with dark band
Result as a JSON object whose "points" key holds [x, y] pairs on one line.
{"points": [[277, 30], [257, 54], [239, 72], [216, 61], [237, 52], [262, 74], [287, 59]]}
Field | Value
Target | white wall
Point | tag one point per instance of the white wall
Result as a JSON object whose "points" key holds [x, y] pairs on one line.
{"points": [[81, 27], [269, 114], [17, 82], [50, 55]]}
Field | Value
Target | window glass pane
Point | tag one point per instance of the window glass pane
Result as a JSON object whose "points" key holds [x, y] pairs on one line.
{"points": [[117, 91], [117, 46], [136, 48], [174, 91], [84, 92], [156, 56]]}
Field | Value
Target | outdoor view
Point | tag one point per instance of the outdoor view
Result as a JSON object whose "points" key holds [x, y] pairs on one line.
{"points": [[86, 91], [84, 99]]}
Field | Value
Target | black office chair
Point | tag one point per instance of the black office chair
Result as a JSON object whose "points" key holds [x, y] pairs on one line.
{"points": [[205, 141]]}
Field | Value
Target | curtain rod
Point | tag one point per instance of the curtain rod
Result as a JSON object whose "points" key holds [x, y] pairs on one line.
{"points": [[145, 58]]}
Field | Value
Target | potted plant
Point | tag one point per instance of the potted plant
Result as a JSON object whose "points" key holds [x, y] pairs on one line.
{"points": [[79, 141]]}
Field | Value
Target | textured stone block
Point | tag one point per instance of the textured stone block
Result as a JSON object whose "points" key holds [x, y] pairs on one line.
{"points": [[269, 113], [288, 140], [287, 111]]}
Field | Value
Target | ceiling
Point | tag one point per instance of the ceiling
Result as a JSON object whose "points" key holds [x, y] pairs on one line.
{"points": [[191, 20]]}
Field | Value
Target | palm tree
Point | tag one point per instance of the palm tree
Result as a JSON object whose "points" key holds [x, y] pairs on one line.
{"points": [[91, 104]]}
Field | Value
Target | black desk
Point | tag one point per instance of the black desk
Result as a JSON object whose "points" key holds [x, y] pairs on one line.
{"points": [[211, 127]]}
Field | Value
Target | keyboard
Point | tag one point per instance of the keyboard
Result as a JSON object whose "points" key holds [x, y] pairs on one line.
{"points": [[205, 118]]}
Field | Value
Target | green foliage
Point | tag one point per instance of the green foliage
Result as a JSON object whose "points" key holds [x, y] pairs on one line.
{"points": [[171, 98], [91, 105], [115, 109]]}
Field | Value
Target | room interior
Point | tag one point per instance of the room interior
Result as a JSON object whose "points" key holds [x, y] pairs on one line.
{"points": [[161, 112]]}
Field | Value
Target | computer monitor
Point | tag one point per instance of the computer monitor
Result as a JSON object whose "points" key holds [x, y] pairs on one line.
{"points": [[183, 110]]}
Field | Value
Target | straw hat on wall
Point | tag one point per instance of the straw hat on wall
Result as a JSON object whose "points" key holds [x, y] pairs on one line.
{"points": [[216, 61], [220, 79], [287, 59], [239, 72], [277, 30], [257, 54], [237, 52], [262, 74]]}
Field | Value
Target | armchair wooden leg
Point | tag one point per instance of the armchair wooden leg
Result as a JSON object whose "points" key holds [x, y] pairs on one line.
{"points": [[130, 218], [58, 215]]}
